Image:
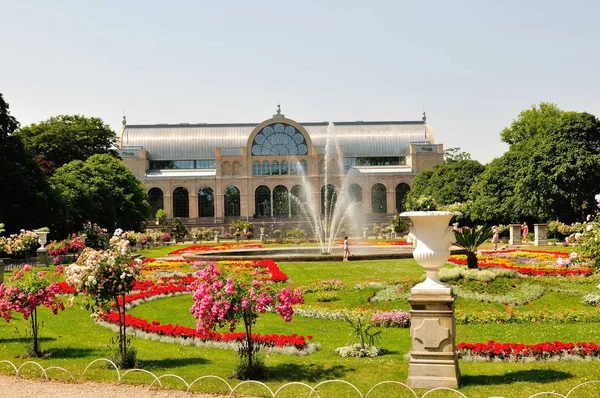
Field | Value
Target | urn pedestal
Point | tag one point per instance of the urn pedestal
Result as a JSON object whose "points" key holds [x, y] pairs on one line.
{"points": [[42, 252], [433, 356]]}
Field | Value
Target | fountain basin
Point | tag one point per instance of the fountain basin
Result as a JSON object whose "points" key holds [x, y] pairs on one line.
{"points": [[299, 254]]}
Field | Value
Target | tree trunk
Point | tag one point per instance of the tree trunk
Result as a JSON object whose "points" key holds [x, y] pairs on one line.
{"points": [[34, 333], [472, 260]]}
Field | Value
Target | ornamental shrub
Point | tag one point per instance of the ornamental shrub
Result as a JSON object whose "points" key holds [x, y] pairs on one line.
{"points": [[228, 299], [27, 291], [106, 276]]}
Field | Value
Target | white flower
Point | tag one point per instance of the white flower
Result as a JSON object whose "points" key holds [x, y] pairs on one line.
{"points": [[589, 227], [573, 255], [578, 235]]}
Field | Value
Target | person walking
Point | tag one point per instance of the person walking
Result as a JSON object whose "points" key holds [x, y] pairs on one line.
{"points": [[524, 233], [346, 248], [495, 237]]}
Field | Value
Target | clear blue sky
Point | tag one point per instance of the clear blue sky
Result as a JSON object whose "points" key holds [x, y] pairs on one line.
{"points": [[473, 65]]}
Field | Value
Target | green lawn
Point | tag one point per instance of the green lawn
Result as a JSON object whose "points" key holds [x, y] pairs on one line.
{"points": [[72, 340]]}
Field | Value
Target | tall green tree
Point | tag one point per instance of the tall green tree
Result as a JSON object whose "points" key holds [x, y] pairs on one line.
{"points": [[447, 183], [551, 170], [452, 155], [101, 190], [531, 123], [26, 197], [62, 139]]}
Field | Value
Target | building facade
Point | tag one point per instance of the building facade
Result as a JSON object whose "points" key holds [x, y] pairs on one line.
{"points": [[210, 173]]}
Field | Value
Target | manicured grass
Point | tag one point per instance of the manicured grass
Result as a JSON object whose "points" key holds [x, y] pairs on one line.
{"points": [[73, 340]]}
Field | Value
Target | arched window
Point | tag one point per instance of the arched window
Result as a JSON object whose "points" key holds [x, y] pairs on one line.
{"points": [[378, 199], [322, 166], [237, 168], [279, 139], [206, 202], [294, 167], [298, 200], [262, 201], [232, 201], [402, 191], [281, 201], [256, 168], [156, 200], [275, 168], [328, 199], [181, 203], [284, 167], [304, 167], [266, 168], [226, 169]]}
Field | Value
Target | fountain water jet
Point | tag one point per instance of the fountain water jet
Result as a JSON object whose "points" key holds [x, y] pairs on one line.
{"points": [[326, 215]]}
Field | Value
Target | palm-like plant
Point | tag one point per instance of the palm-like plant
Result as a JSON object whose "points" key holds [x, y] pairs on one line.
{"points": [[361, 331], [470, 239]]}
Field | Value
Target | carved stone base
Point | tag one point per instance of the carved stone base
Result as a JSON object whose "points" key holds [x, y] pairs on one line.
{"points": [[42, 256], [433, 356]]}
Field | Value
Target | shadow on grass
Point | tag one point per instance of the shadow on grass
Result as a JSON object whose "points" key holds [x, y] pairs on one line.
{"points": [[312, 372], [166, 363], [70, 352], [26, 340], [533, 375]]}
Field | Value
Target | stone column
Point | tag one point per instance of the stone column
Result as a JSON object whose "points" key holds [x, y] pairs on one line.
{"points": [[433, 360], [1, 271], [541, 234], [515, 234]]}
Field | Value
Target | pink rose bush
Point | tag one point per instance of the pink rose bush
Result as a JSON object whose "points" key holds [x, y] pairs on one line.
{"points": [[220, 300], [106, 276], [26, 291]]}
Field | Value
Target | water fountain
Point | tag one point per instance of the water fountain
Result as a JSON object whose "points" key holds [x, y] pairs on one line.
{"points": [[337, 206]]}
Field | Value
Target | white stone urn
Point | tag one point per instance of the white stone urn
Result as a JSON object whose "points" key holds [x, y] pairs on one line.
{"points": [[434, 238], [42, 238]]}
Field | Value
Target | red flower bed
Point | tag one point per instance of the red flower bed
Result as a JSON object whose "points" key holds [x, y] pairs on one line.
{"points": [[514, 351], [155, 327], [64, 288]]}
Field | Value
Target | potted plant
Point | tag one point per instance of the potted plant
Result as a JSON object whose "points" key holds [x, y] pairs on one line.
{"points": [[178, 230]]}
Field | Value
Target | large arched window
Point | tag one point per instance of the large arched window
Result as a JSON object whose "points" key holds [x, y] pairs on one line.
{"points": [[232, 201], [281, 202], [378, 199], [206, 202], [262, 201], [256, 168], [275, 168], [402, 191], [279, 139], [181, 202], [156, 200], [266, 168], [298, 200], [328, 199]]}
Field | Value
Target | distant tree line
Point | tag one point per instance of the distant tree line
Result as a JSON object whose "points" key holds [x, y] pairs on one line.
{"points": [[551, 171], [63, 172]]}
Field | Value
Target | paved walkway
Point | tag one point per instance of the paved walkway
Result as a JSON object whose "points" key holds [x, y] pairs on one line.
{"points": [[17, 387]]}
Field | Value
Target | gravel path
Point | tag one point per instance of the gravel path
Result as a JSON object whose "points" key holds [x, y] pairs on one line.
{"points": [[16, 387]]}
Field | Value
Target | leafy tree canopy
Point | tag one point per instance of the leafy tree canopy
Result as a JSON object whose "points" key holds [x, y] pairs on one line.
{"points": [[101, 190], [549, 172], [25, 194], [532, 122], [62, 139], [447, 183]]}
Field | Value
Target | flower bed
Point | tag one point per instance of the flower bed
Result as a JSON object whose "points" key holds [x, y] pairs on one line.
{"points": [[527, 262], [223, 246], [169, 330], [493, 351]]}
